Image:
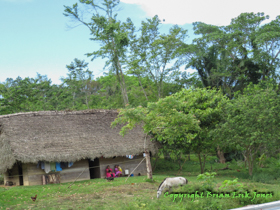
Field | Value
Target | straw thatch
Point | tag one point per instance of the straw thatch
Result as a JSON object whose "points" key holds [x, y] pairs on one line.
{"points": [[65, 136]]}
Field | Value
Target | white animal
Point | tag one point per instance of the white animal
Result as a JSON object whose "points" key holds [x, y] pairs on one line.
{"points": [[171, 182]]}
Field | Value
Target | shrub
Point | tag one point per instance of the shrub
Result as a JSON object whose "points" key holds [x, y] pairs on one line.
{"points": [[232, 185], [207, 179], [192, 188]]}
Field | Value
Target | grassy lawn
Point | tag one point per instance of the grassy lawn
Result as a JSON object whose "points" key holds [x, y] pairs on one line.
{"points": [[136, 193]]}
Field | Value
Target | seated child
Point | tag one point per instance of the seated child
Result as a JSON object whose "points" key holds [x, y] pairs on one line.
{"points": [[120, 169], [118, 172], [109, 172]]}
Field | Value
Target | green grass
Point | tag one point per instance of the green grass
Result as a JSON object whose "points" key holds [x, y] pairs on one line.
{"points": [[136, 193]]}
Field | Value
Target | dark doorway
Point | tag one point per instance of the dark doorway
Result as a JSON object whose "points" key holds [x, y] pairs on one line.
{"points": [[94, 168], [20, 173]]}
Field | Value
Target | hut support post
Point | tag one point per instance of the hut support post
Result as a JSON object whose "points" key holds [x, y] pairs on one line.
{"points": [[149, 166], [6, 178]]}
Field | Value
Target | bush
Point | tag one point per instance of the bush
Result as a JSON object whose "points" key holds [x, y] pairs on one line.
{"points": [[194, 187], [232, 185], [207, 179]]}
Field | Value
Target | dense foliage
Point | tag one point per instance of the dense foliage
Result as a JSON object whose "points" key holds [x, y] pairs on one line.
{"points": [[78, 91], [181, 122], [251, 122]]}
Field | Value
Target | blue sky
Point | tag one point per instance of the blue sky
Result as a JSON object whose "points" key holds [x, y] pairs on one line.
{"points": [[34, 36]]}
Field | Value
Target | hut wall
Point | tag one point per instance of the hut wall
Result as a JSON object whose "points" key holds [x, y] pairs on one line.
{"points": [[70, 174], [33, 175], [124, 163], [13, 175]]}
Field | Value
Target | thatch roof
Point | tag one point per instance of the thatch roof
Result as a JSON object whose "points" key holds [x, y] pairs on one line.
{"points": [[65, 136]]}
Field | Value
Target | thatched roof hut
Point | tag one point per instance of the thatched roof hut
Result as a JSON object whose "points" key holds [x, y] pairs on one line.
{"points": [[65, 136]]}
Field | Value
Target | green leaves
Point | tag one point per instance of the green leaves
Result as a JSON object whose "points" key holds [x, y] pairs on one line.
{"points": [[112, 35], [151, 54], [230, 57], [232, 185], [251, 121], [181, 121], [207, 179], [29, 94]]}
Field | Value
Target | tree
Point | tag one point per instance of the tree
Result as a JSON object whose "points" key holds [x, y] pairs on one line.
{"points": [[13, 95], [181, 121], [28, 94], [111, 33], [251, 121], [79, 81], [152, 54], [230, 57], [187, 80], [207, 106]]}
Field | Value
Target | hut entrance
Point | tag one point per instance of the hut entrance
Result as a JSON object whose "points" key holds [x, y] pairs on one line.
{"points": [[94, 168], [20, 174]]}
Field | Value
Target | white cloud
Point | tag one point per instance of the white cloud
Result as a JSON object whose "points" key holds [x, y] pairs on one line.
{"points": [[216, 12]]}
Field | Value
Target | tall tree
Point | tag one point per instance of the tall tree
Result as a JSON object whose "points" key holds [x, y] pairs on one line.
{"points": [[107, 30], [79, 81], [230, 57], [152, 54]]}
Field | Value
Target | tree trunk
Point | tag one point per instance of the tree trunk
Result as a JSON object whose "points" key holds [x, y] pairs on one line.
{"points": [[181, 167], [120, 77], [221, 155], [204, 161], [250, 165], [73, 100], [87, 101], [122, 84], [143, 88], [149, 166], [189, 156]]}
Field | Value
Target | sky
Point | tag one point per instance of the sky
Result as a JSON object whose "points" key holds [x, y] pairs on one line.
{"points": [[35, 36]]}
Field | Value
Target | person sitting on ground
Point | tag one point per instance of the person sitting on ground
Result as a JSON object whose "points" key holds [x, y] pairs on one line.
{"points": [[120, 169], [109, 172], [118, 173]]}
